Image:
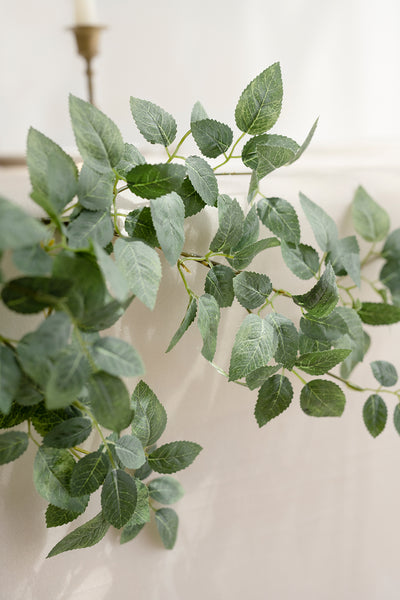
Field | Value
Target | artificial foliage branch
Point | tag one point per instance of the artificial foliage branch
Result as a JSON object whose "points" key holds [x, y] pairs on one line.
{"points": [[83, 265]]}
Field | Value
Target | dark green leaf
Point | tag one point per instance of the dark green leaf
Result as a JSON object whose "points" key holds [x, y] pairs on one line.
{"points": [[323, 297], [141, 514], [212, 137], [86, 535], [130, 451], [256, 378], [243, 257], [95, 192], [104, 316], [323, 226], [251, 229], [56, 516], [379, 313], [280, 217], [28, 393], [230, 230], [68, 375], [186, 322], [154, 123], [208, 321], [16, 415], [32, 260], [390, 276], [375, 414], [12, 445], [44, 420], [95, 225], [190, 198], [168, 215], [17, 229], [255, 345], [167, 525], [203, 179], [287, 339], [10, 378], [165, 490], [173, 457], [318, 363], [369, 219], [68, 434], [109, 400], [391, 248], [88, 473], [302, 260], [118, 497], [384, 372], [153, 181], [321, 398], [325, 329], [150, 417], [139, 225], [131, 157], [274, 396], [396, 418], [252, 289], [117, 357], [307, 344], [219, 283], [30, 295]]}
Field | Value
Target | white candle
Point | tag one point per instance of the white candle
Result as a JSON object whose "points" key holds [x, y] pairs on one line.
{"points": [[85, 12]]}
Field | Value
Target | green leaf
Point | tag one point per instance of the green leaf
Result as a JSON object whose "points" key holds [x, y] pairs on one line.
{"points": [[28, 393], [260, 104], [129, 532], [396, 418], [44, 420], [375, 414], [255, 345], [267, 152], [354, 339], [345, 258], [140, 516], [379, 313], [16, 415], [10, 378], [323, 297], [321, 398], [208, 321], [68, 434], [173, 457], [12, 445], [219, 283], [104, 316], [86, 535], [212, 137], [244, 256], [306, 142], [280, 217], [95, 192], [112, 275], [256, 378], [118, 497], [369, 219], [154, 123], [51, 475], [251, 229], [167, 525], [318, 363], [168, 215], [253, 188], [203, 179], [32, 260], [17, 229], [153, 181], [287, 339], [165, 490], [139, 225], [190, 198], [329, 328], [150, 417], [141, 267], [109, 400], [198, 113], [97, 137], [230, 230], [307, 344], [95, 225], [390, 276], [274, 397], [323, 226], [30, 295], [130, 451], [117, 357], [384, 372], [185, 324], [56, 516], [68, 375], [88, 473], [131, 157], [391, 248], [301, 259]]}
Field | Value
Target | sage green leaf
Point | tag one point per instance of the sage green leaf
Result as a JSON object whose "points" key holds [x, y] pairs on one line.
{"points": [[69, 433], [131, 157], [153, 181], [323, 297], [384, 372], [165, 490], [109, 400], [369, 219], [32, 260], [321, 398], [52, 172], [230, 229], [117, 357], [129, 532], [185, 324], [168, 215], [95, 225], [253, 187], [329, 328], [10, 378], [390, 276], [28, 393], [203, 179], [141, 267], [260, 104], [375, 414], [345, 258], [251, 229], [112, 275], [68, 375], [212, 137], [219, 283], [144, 471], [52, 470], [301, 259], [274, 397], [130, 451], [252, 289], [173, 457], [150, 417], [396, 418], [318, 363], [379, 313], [280, 218], [17, 229], [28, 295], [323, 226], [154, 123], [84, 536], [118, 497], [391, 248], [104, 316], [255, 345], [139, 225], [12, 445], [191, 199], [56, 516], [167, 522], [267, 152], [198, 113], [88, 473], [307, 344], [140, 516], [97, 137], [244, 256], [256, 378], [208, 321], [306, 142], [287, 339], [95, 192], [354, 338]]}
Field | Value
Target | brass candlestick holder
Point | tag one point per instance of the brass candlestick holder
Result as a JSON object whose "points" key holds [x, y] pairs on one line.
{"points": [[88, 41]]}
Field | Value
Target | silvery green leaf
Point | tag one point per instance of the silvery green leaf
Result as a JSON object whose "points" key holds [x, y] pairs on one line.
{"points": [[167, 525], [212, 137], [251, 229], [150, 417], [32, 260], [141, 514], [130, 451], [168, 215], [90, 225], [256, 378], [203, 179], [307, 344], [97, 137], [318, 363], [153, 181], [84, 536], [109, 401], [255, 345], [323, 226], [89, 473], [141, 267], [28, 393], [252, 289], [186, 322], [329, 328], [116, 282], [346, 255], [375, 414], [117, 357], [12, 445], [244, 256], [321, 398], [230, 229], [118, 497], [353, 338], [69, 433], [260, 104], [253, 187], [391, 248], [323, 297], [10, 378], [219, 283], [95, 191], [173, 457], [266, 152], [280, 218], [154, 123], [384, 372], [69, 373], [208, 321], [287, 339], [302, 260], [131, 157], [17, 229], [165, 490], [306, 142], [369, 219], [274, 397], [198, 113]]}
